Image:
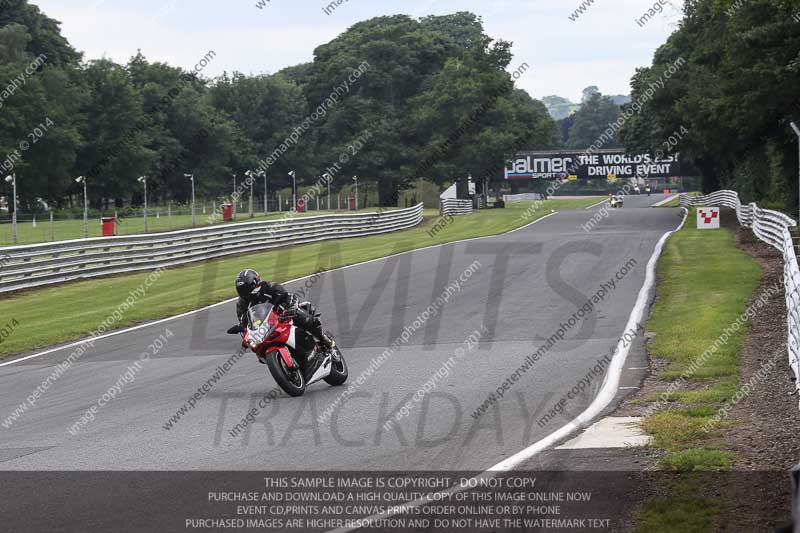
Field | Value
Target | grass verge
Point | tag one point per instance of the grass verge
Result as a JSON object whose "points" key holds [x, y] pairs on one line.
{"points": [[705, 284], [70, 311]]}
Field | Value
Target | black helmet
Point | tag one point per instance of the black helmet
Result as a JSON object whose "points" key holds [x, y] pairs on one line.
{"points": [[246, 282]]}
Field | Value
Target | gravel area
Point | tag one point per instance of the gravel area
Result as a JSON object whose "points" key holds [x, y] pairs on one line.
{"points": [[768, 437], [765, 439]]}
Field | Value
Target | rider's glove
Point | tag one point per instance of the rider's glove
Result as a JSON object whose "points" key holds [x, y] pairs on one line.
{"points": [[291, 302]]}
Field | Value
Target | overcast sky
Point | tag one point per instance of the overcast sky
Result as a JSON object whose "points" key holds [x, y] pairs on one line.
{"points": [[602, 47]]}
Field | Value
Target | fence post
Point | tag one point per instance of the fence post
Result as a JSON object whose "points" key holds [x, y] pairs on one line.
{"points": [[52, 227], [169, 214]]}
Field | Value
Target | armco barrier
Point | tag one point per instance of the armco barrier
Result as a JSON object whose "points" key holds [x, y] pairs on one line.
{"points": [[772, 228], [41, 264], [453, 207]]}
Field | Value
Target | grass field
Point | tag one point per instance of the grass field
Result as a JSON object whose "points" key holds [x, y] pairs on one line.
{"points": [[73, 310], [705, 284], [73, 228]]}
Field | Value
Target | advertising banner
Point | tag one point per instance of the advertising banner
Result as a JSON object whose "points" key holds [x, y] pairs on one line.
{"points": [[604, 164]]}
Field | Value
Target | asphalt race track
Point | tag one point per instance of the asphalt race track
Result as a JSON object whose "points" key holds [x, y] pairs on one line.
{"points": [[526, 284]]}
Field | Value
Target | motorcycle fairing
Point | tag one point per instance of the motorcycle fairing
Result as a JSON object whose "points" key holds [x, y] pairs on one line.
{"points": [[285, 354], [323, 371]]}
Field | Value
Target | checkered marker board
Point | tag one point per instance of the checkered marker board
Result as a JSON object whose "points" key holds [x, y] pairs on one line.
{"points": [[708, 218]]}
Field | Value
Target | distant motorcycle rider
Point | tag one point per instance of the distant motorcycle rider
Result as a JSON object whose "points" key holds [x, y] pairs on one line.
{"points": [[253, 291]]}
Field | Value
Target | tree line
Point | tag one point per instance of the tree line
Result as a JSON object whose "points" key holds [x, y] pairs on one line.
{"points": [[734, 96], [437, 100]]}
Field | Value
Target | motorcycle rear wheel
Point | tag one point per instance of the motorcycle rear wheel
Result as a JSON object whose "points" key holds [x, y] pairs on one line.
{"points": [[291, 380], [338, 373]]}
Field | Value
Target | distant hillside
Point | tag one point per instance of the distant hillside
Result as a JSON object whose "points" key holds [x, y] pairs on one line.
{"points": [[621, 99], [560, 107]]}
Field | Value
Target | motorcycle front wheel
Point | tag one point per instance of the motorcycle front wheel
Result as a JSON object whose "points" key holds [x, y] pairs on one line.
{"points": [[291, 380], [338, 373]]}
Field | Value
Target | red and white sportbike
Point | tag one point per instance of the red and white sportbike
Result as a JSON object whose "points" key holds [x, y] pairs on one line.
{"points": [[294, 357]]}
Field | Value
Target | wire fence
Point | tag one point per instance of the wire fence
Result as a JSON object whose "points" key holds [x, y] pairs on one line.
{"points": [[68, 225], [40, 264]]}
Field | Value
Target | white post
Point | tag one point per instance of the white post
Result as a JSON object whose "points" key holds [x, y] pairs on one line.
{"points": [[234, 197], [82, 179], [12, 179], [797, 132], [266, 205], [143, 179], [145, 205], [85, 211], [191, 178], [52, 227], [251, 197], [16, 206], [294, 189]]}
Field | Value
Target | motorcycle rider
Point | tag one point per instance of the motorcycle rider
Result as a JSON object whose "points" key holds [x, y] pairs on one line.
{"points": [[252, 291]]}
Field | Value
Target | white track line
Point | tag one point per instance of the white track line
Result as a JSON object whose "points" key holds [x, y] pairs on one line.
{"points": [[666, 201], [601, 401], [182, 315], [611, 381], [604, 200]]}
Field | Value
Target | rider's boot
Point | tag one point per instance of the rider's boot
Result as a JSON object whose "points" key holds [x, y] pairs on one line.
{"points": [[313, 325], [325, 340], [329, 345]]}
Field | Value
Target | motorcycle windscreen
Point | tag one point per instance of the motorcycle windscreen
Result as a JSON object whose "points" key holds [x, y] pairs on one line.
{"points": [[258, 314], [259, 324]]}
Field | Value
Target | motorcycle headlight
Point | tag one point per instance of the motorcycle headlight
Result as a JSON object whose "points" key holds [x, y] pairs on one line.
{"points": [[253, 344]]}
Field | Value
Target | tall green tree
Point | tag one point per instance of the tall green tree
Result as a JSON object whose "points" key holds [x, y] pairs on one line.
{"points": [[266, 109], [39, 119], [45, 32], [113, 154], [733, 92], [392, 99], [592, 119]]}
